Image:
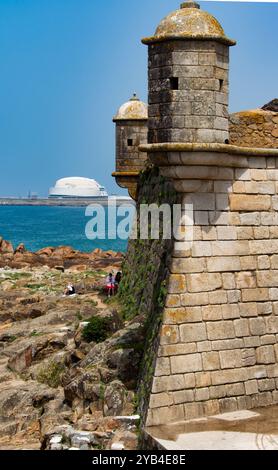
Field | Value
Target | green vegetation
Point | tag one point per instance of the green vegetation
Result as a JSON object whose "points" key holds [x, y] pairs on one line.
{"points": [[50, 374], [34, 286], [97, 330], [92, 302], [35, 333], [16, 276]]}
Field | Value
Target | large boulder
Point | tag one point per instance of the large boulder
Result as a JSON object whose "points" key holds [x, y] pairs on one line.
{"points": [[6, 247]]}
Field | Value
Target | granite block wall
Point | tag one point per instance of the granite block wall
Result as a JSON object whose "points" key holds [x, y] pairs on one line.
{"points": [[218, 342]]}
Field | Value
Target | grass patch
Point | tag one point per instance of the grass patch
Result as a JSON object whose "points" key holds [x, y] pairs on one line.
{"points": [[34, 333], [50, 374], [35, 286], [17, 276], [97, 330]]}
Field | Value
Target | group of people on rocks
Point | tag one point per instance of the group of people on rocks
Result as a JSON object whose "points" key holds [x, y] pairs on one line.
{"points": [[111, 286], [112, 283]]}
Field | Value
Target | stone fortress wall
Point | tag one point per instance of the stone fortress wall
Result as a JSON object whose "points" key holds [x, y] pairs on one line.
{"points": [[218, 342], [215, 342], [254, 128]]}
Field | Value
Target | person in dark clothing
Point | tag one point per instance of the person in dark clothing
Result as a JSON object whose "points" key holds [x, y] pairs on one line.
{"points": [[70, 290]]}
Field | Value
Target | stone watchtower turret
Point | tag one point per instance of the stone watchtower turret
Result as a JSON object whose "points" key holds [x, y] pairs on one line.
{"points": [[131, 132], [188, 78]]}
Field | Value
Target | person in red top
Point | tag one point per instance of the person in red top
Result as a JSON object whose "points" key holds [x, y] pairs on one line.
{"points": [[110, 284]]}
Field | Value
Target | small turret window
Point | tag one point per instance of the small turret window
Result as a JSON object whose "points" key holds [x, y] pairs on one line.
{"points": [[221, 83], [130, 142], [174, 83]]}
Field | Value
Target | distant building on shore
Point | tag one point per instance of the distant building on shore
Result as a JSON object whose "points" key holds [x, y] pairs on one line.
{"points": [[77, 187]]}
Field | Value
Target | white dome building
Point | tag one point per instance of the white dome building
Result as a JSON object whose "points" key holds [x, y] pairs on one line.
{"points": [[77, 187]]}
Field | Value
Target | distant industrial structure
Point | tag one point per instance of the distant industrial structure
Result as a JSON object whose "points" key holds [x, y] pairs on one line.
{"points": [[77, 187]]}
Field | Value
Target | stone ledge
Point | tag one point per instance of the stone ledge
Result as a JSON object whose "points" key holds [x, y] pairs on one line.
{"points": [[209, 147]]}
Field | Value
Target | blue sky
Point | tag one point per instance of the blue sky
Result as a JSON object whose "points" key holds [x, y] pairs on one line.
{"points": [[66, 66]]}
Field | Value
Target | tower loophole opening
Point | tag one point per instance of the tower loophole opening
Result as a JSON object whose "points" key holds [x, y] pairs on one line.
{"points": [[174, 83]]}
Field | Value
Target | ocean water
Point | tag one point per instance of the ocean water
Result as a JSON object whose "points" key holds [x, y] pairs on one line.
{"points": [[38, 227]]}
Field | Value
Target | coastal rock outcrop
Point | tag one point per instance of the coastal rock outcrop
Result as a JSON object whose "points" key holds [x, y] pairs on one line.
{"points": [[62, 257], [53, 378]]}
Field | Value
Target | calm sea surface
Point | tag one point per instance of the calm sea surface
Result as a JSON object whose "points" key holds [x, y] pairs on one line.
{"points": [[38, 227]]}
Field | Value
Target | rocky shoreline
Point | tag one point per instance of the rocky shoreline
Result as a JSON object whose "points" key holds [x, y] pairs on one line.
{"points": [[59, 388]]}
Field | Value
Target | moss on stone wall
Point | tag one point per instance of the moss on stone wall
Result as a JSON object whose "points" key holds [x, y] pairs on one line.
{"points": [[145, 270]]}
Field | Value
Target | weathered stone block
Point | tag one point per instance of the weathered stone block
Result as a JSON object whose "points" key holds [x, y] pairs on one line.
{"points": [[162, 366], [258, 175], [266, 384], [193, 410], [245, 279], [220, 330], [229, 376], [174, 315], [248, 309], [190, 300], [177, 349], [227, 344], [241, 328], [228, 280], [268, 339], [230, 359], [203, 379], [177, 283], [185, 364], [230, 311], [257, 326], [201, 394], [202, 248], [251, 341], [209, 234], [218, 297], [263, 262], [245, 233], [169, 334], [204, 346], [230, 248], [159, 400], [173, 301], [211, 360], [183, 396], [193, 314], [169, 383], [223, 187], [251, 387], [222, 264], [193, 332], [267, 247], [244, 202], [234, 296], [203, 282], [267, 278], [186, 265], [158, 416], [234, 390], [265, 187], [212, 313], [265, 355], [272, 324], [248, 357], [256, 295], [189, 380], [250, 219]]}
